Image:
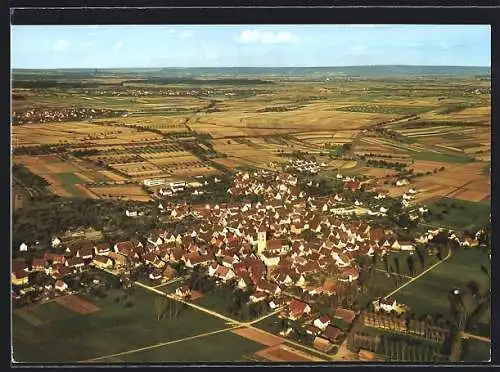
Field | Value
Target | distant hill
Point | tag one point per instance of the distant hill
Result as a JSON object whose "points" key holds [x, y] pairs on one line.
{"points": [[254, 72]]}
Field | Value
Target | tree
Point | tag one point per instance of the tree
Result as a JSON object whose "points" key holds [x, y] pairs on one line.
{"points": [[160, 307], [411, 265], [397, 266]]}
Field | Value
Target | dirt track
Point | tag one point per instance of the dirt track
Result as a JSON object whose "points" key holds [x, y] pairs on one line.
{"points": [[78, 305], [260, 337]]}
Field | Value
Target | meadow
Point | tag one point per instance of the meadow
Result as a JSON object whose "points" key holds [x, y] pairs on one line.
{"points": [[429, 293], [66, 336]]}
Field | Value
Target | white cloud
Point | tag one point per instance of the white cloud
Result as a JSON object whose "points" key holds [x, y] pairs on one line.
{"points": [[118, 46], [264, 37], [61, 45]]}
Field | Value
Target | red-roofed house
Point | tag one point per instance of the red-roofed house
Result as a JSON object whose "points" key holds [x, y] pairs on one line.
{"points": [[224, 273], [349, 275], [297, 309], [332, 334], [19, 278], [102, 262], [124, 247], [345, 314]]}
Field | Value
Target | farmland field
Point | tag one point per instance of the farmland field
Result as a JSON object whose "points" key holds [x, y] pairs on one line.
{"points": [[63, 335], [127, 192], [222, 347], [476, 351], [478, 214], [430, 292]]}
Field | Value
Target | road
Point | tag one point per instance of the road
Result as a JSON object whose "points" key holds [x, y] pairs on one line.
{"points": [[236, 322], [401, 275], [159, 345], [475, 337], [177, 298], [419, 275]]}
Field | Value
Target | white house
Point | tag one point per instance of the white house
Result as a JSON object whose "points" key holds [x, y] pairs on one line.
{"points": [[322, 322], [56, 242], [257, 297], [23, 247], [61, 286], [387, 305], [130, 213]]}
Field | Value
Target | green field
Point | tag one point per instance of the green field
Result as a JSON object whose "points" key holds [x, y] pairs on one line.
{"points": [[475, 351], [445, 158], [221, 347], [429, 294], [70, 179], [464, 214], [114, 329]]}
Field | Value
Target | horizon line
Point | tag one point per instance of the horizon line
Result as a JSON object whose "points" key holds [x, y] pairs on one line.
{"points": [[209, 67]]}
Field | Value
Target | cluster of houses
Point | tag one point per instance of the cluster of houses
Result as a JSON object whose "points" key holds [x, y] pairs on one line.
{"points": [[325, 330], [174, 188], [293, 243], [45, 115], [308, 166], [138, 92]]}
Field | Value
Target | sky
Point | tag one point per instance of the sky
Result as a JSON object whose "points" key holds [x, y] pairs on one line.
{"points": [[134, 46]]}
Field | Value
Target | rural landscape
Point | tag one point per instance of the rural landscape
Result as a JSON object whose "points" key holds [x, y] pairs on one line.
{"points": [[251, 215]]}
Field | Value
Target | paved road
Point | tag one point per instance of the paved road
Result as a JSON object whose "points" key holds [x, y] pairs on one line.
{"points": [[419, 275]]}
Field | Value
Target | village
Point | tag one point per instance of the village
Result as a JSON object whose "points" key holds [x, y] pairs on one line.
{"points": [[294, 254]]}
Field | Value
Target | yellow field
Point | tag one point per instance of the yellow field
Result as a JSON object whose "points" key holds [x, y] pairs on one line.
{"points": [[159, 122], [238, 150], [113, 176], [126, 192], [469, 115], [76, 132]]}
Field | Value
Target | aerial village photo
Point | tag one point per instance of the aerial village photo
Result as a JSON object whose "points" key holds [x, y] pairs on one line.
{"points": [[251, 194]]}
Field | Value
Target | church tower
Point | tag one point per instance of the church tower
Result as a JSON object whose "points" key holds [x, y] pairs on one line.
{"points": [[261, 241]]}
